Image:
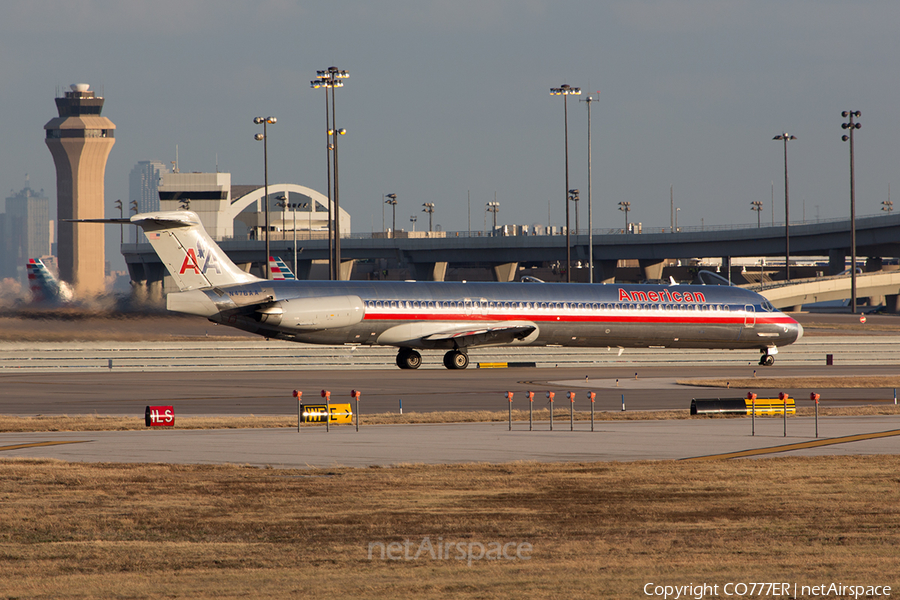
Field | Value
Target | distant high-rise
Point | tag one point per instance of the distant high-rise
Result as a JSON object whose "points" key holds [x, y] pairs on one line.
{"points": [[80, 141], [143, 188], [26, 232]]}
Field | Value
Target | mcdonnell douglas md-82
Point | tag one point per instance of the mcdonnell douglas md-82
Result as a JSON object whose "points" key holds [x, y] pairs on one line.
{"points": [[455, 316]]}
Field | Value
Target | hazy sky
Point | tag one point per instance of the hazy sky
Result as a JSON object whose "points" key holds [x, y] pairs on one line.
{"points": [[446, 98]]}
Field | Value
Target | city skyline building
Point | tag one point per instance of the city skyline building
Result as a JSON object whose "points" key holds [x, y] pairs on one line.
{"points": [[26, 230], [80, 140], [143, 188]]}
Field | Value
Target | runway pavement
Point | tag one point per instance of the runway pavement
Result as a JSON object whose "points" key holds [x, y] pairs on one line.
{"points": [[386, 445], [257, 354], [256, 377], [270, 392]]}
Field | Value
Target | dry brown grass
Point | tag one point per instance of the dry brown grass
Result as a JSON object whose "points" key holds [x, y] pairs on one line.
{"points": [[812, 383], [597, 530], [16, 424]]}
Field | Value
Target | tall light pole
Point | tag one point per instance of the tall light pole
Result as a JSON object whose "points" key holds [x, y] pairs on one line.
{"points": [[672, 207], [625, 207], [392, 200], [134, 208], [493, 207], [118, 204], [677, 210], [590, 201], [413, 219], [264, 137], [787, 209], [283, 203], [565, 91], [294, 208], [757, 207], [851, 126], [573, 196], [429, 208], [330, 78]]}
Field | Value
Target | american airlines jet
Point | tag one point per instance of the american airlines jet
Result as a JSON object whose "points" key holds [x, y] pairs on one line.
{"points": [[455, 316]]}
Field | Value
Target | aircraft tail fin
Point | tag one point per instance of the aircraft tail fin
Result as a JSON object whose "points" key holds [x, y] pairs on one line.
{"points": [[193, 259], [278, 269], [45, 288]]}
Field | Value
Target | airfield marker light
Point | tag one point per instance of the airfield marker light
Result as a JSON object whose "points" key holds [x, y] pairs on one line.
{"points": [[509, 396], [327, 395], [815, 398], [591, 396], [355, 394], [299, 396], [571, 411], [551, 395], [752, 398], [623, 402], [531, 408], [783, 397]]}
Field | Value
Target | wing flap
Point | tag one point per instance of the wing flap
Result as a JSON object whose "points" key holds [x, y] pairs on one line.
{"points": [[459, 334]]}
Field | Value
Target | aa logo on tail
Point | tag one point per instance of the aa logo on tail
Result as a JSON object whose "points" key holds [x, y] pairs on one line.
{"points": [[193, 259]]}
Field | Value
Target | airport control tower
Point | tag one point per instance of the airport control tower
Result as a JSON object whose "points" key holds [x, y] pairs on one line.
{"points": [[80, 141]]}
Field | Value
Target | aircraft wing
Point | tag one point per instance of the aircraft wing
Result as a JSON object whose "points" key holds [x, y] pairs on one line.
{"points": [[459, 335]]}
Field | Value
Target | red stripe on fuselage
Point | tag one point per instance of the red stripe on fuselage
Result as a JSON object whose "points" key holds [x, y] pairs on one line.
{"points": [[686, 319]]}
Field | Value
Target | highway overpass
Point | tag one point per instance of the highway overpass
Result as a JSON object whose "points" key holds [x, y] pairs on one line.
{"points": [[428, 258]]}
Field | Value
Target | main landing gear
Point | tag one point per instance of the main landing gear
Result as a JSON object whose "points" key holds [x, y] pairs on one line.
{"points": [[407, 358], [456, 359], [768, 357]]}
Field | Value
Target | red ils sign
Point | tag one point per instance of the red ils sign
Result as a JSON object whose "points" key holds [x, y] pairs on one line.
{"points": [[159, 416]]}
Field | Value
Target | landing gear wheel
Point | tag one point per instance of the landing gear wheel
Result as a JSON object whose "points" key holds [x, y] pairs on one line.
{"points": [[409, 359], [767, 360], [455, 359]]}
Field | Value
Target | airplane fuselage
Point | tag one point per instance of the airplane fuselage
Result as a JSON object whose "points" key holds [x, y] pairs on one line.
{"points": [[410, 314], [455, 316]]}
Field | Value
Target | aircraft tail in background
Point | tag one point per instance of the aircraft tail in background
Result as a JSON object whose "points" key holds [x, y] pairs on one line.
{"points": [[192, 258], [278, 269], [45, 288]]}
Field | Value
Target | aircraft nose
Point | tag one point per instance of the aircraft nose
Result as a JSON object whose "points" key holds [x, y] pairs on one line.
{"points": [[796, 329]]}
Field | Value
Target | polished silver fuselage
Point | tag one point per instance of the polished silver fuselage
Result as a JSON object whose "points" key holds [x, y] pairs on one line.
{"points": [[416, 314]]}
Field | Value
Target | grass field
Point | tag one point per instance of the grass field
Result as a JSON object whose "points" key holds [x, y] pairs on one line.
{"points": [[600, 530]]}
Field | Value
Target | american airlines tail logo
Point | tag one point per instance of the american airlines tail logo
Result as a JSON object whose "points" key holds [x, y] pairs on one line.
{"points": [[192, 260]]}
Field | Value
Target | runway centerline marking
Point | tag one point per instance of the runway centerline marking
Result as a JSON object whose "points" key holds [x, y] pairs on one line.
{"points": [[798, 446], [40, 444]]}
